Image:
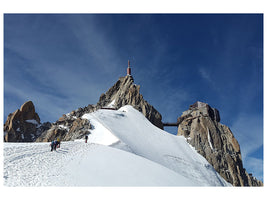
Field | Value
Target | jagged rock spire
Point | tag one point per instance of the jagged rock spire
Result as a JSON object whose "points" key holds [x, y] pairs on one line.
{"points": [[125, 92]]}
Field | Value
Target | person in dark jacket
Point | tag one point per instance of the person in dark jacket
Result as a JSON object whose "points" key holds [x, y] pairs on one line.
{"points": [[55, 145], [52, 145], [86, 138]]}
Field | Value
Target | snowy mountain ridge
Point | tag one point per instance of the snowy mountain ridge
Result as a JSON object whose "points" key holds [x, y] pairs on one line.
{"points": [[147, 140]]}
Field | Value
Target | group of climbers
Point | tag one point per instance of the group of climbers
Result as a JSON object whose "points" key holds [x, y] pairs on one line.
{"points": [[55, 144]]}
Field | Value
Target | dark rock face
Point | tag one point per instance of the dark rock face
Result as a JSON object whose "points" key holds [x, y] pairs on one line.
{"points": [[68, 127], [23, 125], [125, 92], [215, 141]]}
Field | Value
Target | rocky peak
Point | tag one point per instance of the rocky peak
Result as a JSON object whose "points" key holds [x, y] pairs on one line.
{"points": [[27, 111], [200, 108], [22, 125], [125, 92], [200, 124], [116, 92]]}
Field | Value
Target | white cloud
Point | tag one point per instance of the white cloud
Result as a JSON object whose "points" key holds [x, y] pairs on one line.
{"points": [[205, 74]]}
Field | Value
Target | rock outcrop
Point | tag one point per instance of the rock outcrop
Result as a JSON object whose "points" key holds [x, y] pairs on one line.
{"points": [[215, 141], [68, 127], [23, 125]]}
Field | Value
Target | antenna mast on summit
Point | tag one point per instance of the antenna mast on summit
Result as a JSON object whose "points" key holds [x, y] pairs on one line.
{"points": [[129, 69]]}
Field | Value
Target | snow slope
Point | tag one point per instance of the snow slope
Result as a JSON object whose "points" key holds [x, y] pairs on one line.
{"points": [[124, 149], [80, 164], [150, 142]]}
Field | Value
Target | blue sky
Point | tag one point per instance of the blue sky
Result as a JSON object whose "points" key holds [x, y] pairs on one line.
{"points": [[62, 62]]}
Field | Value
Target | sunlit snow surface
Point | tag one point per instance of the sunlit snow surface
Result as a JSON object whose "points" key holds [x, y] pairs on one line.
{"points": [[124, 149]]}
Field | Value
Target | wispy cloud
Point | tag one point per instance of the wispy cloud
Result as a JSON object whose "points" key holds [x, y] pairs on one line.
{"points": [[59, 84], [205, 74], [255, 167], [94, 42], [248, 130], [48, 106]]}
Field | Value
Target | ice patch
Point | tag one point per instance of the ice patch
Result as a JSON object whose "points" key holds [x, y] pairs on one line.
{"points": [[208, 131], [111, 105], [32, 121], [70, 116], [63, 127]]}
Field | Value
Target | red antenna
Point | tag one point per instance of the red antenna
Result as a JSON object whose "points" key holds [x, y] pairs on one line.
{"points": [[129, 69]]}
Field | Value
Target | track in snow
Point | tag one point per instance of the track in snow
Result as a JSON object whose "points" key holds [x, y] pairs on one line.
{"points": [[33, 164]]}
